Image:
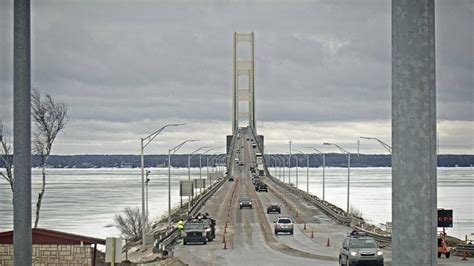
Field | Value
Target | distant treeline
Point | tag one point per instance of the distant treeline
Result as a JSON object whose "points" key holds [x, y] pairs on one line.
{"points": [[332, 159]]}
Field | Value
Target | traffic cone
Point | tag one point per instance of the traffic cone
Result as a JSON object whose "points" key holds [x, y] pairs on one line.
{"points": [[464, 255], [304, 228], [312, 234], [328, 244]]}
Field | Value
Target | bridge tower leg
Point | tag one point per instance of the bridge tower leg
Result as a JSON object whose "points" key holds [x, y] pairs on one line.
{"points": [[244, 91], [414, 196]]}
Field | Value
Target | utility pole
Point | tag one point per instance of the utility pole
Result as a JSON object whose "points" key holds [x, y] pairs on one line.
{"points": [[414, 177], [289, 165], [22, 238]]}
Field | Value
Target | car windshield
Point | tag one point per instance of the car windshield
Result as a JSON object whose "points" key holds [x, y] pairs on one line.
{"points": [[206, 222], [194, 226], [245, 199], [362, 243], [284, 221]]}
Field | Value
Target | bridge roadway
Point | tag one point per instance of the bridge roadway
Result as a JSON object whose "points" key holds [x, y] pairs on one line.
{"points": [[249, 235]]}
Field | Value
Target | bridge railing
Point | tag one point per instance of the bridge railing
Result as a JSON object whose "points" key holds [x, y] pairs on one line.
{"points": [[174, 234]]}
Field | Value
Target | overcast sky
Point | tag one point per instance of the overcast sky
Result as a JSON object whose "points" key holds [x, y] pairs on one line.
{"points": [[323, 71]]}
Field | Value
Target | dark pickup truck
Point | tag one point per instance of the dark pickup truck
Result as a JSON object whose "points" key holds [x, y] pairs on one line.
{"points": [[194, 231]]}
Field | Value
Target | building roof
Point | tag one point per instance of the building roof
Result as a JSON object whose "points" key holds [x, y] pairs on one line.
{"points": [[51, 237]]}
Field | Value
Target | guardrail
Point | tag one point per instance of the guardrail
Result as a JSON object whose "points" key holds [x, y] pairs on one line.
{"points": [[461, 248], [173, 235], [337, 214]]}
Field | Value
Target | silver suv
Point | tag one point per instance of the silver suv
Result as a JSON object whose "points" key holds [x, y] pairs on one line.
{"points": [[358, 249], [284, 224]]}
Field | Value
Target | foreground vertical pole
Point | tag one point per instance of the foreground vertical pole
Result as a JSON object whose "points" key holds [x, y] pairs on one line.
{"points": [[22, 134], [414, 179]]}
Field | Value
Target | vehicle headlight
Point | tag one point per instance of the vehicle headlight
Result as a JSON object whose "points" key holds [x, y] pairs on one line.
{"points": [[250, 203], [240, 203], [353, 253], [208, 230], [379, 253]]}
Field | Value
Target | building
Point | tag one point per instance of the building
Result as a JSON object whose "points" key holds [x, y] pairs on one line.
{"points": [[53, 248]]}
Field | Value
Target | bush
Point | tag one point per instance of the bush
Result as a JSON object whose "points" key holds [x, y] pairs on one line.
{"points": [[130, 223]]}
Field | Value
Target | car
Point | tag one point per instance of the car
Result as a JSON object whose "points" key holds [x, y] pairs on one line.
{"points": [[254, 146], [358, 248], [273, 207], [262, 187], [284, 224], [231, 178], [245, 202], [194, 231]]}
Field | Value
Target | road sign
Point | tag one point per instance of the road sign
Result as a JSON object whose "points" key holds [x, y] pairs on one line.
{"points": [[113, 249], [445, 218], [186, 188], [199, 183]]}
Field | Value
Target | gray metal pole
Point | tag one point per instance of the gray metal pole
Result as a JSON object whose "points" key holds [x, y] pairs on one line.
{"points": [[296, 159], [22, 239], [414, 195], [348, 181], [324, 176], [189, 180], [200, 170], [169, 186], [142, 161], [289, 166], [307, 174]]}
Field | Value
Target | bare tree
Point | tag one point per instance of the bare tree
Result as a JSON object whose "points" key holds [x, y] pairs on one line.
{"points": [[130, 223], [7, 158], [49, 117]]}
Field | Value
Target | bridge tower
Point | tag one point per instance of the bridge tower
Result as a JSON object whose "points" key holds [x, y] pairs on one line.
{"points": [[244, 82]]}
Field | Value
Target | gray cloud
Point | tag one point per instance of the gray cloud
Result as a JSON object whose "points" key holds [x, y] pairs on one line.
{"points": [[122, 63]]}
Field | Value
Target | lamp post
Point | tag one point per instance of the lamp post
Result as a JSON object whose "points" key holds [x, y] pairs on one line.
{"points": [[207, 165], [200, 163], [348, 171], [289, 165], [307, 170], [170, 152], [385, 145], [146, 192], [143, 144], [189, 172], [324, 166]]}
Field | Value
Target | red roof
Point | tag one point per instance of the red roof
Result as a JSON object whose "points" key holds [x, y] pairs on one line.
{"points": [[51, 237]]}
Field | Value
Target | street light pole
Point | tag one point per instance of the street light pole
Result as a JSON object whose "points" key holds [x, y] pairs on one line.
{"points": [[200, 164], [385, 145], [148, 140], [324, 166], [173, 151], [189, 173], [297, 165], [289, 165], [348, 171]]}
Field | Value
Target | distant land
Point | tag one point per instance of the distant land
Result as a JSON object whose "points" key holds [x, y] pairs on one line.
{"points": [[181, 160]]}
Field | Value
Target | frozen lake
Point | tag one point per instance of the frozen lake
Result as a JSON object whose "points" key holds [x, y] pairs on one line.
{"points": [[84, 201], [371, 192]]}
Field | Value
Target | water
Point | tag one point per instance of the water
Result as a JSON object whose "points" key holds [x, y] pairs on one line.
{"points": [[84, 201], [371, 191]]}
